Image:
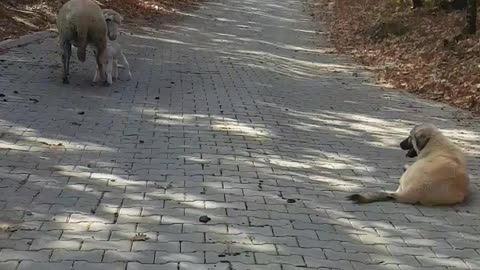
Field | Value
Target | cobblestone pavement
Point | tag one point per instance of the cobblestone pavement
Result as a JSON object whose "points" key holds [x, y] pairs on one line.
{"points": [[238, 112]]}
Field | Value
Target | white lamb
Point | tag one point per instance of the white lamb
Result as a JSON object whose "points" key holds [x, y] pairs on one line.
{"points": [[114, 56], [82, 22]]}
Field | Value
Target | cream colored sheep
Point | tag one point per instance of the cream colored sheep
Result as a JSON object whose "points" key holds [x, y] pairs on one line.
{"points": [[83, 22], [114, 55], [113, 19]]}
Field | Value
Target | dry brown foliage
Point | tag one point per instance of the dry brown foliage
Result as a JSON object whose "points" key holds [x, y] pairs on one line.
{"points": [[423, 58], [19, 17]]}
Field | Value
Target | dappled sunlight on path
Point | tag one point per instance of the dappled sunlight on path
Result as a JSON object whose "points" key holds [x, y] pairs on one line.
{"points": [[240, 112]]}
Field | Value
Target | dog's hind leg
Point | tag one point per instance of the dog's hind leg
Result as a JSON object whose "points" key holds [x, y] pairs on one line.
{"points": [[369, 197], [408, 197]]}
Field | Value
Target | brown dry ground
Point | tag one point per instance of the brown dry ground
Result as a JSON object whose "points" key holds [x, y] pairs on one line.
{"points": [[417, 53]]}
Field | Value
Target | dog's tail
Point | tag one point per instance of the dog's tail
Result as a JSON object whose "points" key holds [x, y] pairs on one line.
{"points": [[368, 197]]}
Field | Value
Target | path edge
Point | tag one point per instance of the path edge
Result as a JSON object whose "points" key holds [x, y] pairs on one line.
{"points": [[27, 39]]}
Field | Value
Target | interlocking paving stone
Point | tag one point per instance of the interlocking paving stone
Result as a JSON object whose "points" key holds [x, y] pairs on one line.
{"points": [[237, 111]]}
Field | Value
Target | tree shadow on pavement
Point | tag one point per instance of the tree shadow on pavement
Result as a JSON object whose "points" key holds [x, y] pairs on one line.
{"points": [[244, 118]]}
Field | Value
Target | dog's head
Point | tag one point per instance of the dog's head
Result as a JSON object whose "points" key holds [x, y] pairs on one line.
{"points": [[417, 140]]}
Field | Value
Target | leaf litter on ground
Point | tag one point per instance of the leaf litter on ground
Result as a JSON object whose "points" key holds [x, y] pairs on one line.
{"points": [[416, 50]]}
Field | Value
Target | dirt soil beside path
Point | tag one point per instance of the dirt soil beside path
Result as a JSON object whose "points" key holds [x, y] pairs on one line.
{"points": [[20, 17], [408, 49]]}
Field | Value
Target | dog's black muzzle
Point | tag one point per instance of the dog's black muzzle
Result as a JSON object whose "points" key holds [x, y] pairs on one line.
{"points": [[408, 145]]}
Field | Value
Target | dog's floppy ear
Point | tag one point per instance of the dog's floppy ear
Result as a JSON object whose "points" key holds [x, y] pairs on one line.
{"points": [[421, 139], [421, 135]]}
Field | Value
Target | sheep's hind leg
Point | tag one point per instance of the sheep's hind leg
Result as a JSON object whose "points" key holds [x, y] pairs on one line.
{"points": [[67, 52]]}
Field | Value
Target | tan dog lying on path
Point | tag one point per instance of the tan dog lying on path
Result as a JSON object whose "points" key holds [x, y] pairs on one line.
{"points": [[437, 177]]}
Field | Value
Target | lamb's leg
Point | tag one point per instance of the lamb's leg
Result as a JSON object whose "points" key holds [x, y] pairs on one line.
{"points": [[115, 69], [102, 62], [67, 52], [97, 76], [109, 72], [127, 65]]}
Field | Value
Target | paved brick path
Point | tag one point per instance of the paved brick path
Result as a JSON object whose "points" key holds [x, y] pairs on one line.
{"points": [[235, 112]]}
